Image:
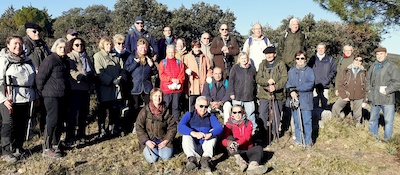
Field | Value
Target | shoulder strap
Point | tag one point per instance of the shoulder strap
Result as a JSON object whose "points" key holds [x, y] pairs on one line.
{"points": [[226, 83], [250, 40], [177, 61]]}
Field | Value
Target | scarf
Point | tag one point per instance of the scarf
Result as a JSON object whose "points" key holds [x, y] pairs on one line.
{"points": [[344, 56], [168, 40], [156, 111], [300, 67], [15, 58], [238, 122]]}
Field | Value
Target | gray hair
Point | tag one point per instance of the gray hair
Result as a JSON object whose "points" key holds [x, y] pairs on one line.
{"points": [[292, 20], [56, 43], [171, 46], [198, 99]]}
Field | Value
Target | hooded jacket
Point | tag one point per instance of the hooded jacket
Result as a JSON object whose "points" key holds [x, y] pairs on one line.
{"points": [[302, 81], [141, 75], [352, 86], [278, 73], [241, 133]]}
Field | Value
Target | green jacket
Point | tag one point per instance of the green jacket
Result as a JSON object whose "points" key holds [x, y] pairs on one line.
{"points": [[278, 73], [341, 66], [289, 45]]}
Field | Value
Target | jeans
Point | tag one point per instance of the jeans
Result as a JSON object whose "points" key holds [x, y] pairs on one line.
{"points": [[164, 153], [307, 126], [388, 114], [250, 108]]}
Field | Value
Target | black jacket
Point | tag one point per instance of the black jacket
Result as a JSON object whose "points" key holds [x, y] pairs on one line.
{"points": [[52, 80]]}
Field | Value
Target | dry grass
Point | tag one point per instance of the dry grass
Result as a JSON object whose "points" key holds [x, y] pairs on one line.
{"points": [[339, 149]]}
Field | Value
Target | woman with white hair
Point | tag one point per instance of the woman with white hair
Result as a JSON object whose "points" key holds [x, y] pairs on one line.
{"points": [[52, 82]]}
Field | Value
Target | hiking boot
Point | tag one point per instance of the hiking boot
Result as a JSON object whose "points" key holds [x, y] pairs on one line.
{"points": [[205, 164], [20, 152], [191, 164], [242, 163], [102, 133], [9, 158], [255, 168], [52, 153]]}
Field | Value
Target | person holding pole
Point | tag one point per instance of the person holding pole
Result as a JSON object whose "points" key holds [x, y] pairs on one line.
{"points": [[300, 86], [17, 79]]}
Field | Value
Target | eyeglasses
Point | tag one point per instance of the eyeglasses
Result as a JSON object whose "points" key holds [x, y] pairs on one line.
{"points": [[300, 58], [203, 106], [236, 112], [120, 43], [34, 31], [139, 22], [359, 60], [224, 29], [77, 45]]}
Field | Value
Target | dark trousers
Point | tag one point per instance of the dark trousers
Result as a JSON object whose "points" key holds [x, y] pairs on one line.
{"points": [[172, 101], [254, 153], [77, 114], [192, 101], [264, 112], [137, 101], [113, 108], [56, 111]]}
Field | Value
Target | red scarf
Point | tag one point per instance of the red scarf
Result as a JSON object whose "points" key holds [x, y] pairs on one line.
{"points": [[156, 111], [344, 56]]}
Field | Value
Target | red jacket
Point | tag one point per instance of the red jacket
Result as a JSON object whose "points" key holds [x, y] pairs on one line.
{"points": [[242, 133], [171, 70]]}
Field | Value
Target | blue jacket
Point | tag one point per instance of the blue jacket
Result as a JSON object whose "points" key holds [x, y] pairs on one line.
{"points": [[141, 75], [193, 122], [134, 35], [324, 70], [216, 93], [302, 80]]}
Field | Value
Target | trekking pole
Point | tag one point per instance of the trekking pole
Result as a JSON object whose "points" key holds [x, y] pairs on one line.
{"points": [[29, 121], [275, 119], [154, 161], [269, 123], [301, 127], [9, 92]]}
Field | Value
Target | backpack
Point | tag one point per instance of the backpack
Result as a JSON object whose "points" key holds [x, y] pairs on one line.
{"points": [[10, 81], [266, 40], [225, 84], [177, 61]]}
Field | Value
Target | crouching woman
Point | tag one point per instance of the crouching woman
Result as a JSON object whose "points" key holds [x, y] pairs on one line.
{"points": [[237, 140], [156, 128]]}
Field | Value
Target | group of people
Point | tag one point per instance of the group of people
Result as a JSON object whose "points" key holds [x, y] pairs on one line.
{"points": [[152, 78]]}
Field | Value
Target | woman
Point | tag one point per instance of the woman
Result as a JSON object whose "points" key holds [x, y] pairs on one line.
{"points": [[300, 85], [172, 74], [198, 68], [141, 68], [17, 77], [180, 48], [237, 140], [242, 86], [109, 69], [351, 87], [52, 83], [156, 128], [81, 80]]}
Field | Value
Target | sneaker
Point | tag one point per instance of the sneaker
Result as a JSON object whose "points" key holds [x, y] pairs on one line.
{"points": [[52, 153], [205, 164], [191, 164], [9, 158], [242, 164], [134, 128], [102, 133], [255, 168]]}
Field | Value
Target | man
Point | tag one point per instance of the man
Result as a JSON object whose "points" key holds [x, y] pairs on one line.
{"points": [[351, 90], [271, 78], [138, 32], [292, 41], [324, 68], [71, 34], [216, 92], [205, 47], [34, 46], [383, 80], [199, 130], [255, 45], [224, 48], [168, 39], [344, 61]]}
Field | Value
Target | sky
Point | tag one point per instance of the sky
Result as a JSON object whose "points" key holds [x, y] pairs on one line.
{"points": [[247, 12]]}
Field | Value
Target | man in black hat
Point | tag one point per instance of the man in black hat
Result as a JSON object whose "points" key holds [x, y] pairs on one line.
{"points": [[71, 34], [139, 32], [271, 79], [34, 46]]}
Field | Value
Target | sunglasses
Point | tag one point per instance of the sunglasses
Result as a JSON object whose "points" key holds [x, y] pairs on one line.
{"points": [[236, 112], [77, 45], [203, 106], [300, 58], [359, 60], [139, 22], [224, 29], [34, 31], [120, 43]]}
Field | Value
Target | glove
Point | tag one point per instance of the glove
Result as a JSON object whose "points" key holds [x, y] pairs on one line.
{"points": [[364, 105], [232, 147], [188, 71], [209, 80], [178, 86], [116, 81], [382, 90]]}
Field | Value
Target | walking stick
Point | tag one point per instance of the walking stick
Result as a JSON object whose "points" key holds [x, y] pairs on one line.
{"points": [[275, 119], [301, 126], [269, 124], [154, 161]]}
